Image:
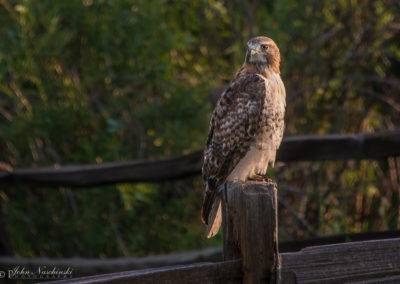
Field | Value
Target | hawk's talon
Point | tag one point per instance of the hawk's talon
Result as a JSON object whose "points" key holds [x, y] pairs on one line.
{"points": [[263, 178]]}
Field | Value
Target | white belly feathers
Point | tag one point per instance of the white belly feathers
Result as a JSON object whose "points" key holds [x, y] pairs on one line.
{"points": [[262, 151]]}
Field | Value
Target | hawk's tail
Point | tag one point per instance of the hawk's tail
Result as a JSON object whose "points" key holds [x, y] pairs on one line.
{"points": [[211, 214], [214, 219]]}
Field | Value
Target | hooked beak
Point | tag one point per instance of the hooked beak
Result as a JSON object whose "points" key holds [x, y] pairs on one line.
{"points": [[254, 49], [256, 55]]}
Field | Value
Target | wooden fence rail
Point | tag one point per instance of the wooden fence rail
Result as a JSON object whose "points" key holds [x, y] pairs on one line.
{"points": [[357, 262], [92, 266], [249, 219], [300, 148]]}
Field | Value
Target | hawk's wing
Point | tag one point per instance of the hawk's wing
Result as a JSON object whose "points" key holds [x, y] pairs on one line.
{"points": [[234, 122]]}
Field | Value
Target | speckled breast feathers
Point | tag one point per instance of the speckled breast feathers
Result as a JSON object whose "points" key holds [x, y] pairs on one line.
{"points": [[245, 132]]}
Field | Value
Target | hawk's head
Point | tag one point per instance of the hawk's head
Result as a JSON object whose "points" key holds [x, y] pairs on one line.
{"points": [[263, 51]]}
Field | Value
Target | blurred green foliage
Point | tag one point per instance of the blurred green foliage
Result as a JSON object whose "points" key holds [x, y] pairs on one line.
{"points": [[86, 81]]}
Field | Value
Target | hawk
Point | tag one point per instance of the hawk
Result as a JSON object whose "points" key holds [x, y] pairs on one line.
{"points": [[246, 127]]}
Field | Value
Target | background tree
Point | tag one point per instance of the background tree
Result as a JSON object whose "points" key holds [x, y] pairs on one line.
{"points": [[97, 81]]}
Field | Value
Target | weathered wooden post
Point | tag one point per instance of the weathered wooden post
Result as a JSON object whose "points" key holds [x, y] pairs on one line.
{"points": [[250, 229]]}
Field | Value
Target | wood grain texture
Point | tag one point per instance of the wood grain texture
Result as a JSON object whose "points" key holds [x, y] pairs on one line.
{"points": [[300, 148], [375, 261], [250, 228], [292, 246], [92, 266], [345, 263], [202, 273]]}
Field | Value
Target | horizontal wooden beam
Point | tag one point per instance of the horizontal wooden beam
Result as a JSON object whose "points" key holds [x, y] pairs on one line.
{"points": [[299, 148], [377, 145], [292, 246], [340, 263], [345, 263], [108, 173], [219, 272], [90, 266]]}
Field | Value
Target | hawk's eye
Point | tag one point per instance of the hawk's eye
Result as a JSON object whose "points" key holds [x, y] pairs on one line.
{"points": [[264, 47]]}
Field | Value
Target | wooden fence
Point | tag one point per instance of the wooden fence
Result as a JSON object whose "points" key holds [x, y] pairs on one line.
{"points": [[91, 266], [356, 262], [250, 250], [300, 148]]}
